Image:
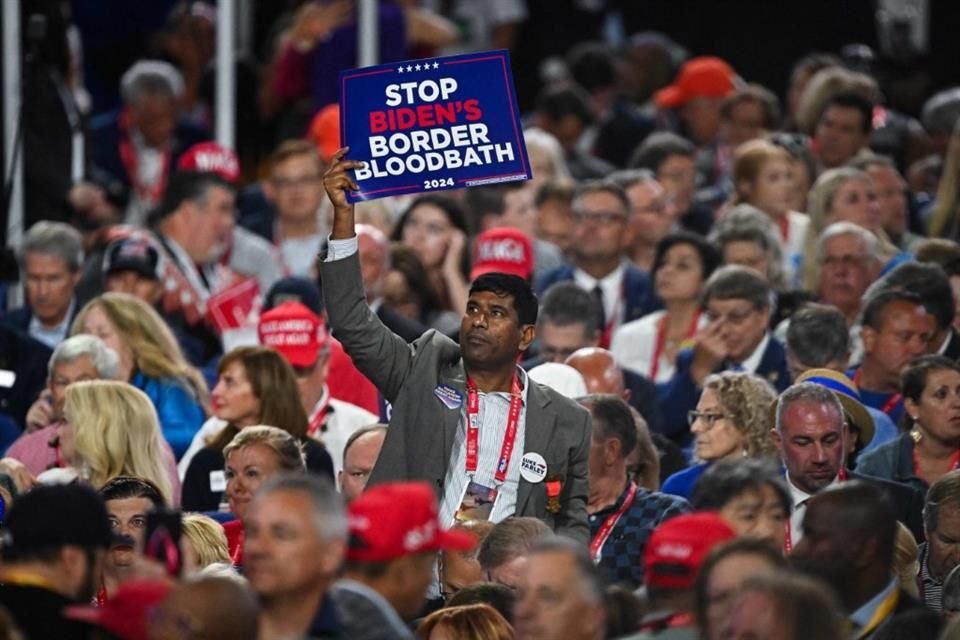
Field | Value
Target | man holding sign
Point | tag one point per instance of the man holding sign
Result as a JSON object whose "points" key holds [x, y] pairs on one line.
{"points": [[466, 418]]}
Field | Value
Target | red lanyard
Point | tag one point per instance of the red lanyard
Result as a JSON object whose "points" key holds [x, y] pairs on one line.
{"points": [[129, 158], [954, 461], [662, 339], [891, 402], [473, 429], [788, 537], [785, 228], [596, 545], [318, 418]]}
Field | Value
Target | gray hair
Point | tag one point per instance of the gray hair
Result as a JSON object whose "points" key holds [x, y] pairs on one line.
{"points": [[818, 335], [627, 178], [746, 223], [104, 359], [329, 514], [590, 580], [151, 77], [941, 111], [868, 241], [735, 281], [55, 239], [509, 539], [809, 393]]}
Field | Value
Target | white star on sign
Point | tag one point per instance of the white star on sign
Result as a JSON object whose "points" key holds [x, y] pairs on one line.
{"points": [[418, 67], [400, 70], [409, 68], [436, 65]]}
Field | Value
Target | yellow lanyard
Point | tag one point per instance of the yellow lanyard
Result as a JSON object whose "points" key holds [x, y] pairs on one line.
{"points": [[882, 613]]}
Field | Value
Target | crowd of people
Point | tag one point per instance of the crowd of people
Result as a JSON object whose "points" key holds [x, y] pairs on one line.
{"points": [[698, 378]]}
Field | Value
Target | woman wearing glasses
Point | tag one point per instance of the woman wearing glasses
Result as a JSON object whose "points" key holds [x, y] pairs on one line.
{"points": [[732, 420]]}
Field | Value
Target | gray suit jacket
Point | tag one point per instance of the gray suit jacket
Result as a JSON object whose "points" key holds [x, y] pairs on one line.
{"points": [[420, 439]]}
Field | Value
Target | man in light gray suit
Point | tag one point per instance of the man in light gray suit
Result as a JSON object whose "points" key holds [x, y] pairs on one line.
{"points": [[466, 418]]}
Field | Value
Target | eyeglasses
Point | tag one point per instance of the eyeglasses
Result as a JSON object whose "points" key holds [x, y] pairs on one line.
{"points": [[732, 317], [599, 217], [709, 417]]}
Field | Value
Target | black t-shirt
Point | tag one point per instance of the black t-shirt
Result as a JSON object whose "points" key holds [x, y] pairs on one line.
{"points": [[38, 613]]}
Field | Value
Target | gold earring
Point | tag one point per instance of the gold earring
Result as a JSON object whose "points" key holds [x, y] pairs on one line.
{"points": [[915, 433]]}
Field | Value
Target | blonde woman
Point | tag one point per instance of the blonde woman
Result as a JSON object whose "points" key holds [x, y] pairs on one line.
{"points": [[110, 429], [732, 420], [151, 360], [204, 543]]}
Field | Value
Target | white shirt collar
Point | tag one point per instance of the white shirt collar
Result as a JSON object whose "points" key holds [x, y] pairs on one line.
{"points": [[752, 362], [611, 285]]}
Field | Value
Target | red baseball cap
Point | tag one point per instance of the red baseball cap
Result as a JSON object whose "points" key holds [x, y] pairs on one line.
{"points": [[677, 548], [324, 131], [210, 156], [704, 77], [295, 331], [399, 519], [502, 250], [125, 614]]}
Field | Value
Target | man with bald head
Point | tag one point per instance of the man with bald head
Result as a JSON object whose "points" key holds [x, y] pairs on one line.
{"points": [[849, 535], [604, 375]]}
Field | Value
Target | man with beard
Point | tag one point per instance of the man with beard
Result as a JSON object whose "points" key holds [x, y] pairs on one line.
{"points": [[59, 535], [466, 419], [128, 500], [810, 435], [848, 542]]}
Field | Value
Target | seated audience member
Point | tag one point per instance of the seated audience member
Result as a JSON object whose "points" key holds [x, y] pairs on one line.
{"points": [[563, 111], [603, 374], [810, 434], [562, 378], [256, 387], [818, 341], [128, 500], [546, 158], [132, 265], [802, 166], [394, 537], [621, 290], [896, 330], [221, 607], [560, 594], [723, 573], [460, 569], [255, 455], [553, 200], [507, 212], [435, 229], [749, 113], [622, 515], [110, 429], [81, 357], [931, 390], [204, 545], [745, 237], [751, 495], [843, 128], [407, 292], [761, 177], [848, 541], [360, 453], [731, 422], [58, 536], [737, 302], [681, 265], [150, 360], [906, 560], [651, 215], [892, 202], [785, 606], [480, 621], [51, 257], [675, 552], [301, 337], [939, 554], [672, 161], [499, 596], [295, 535], [504, 551]]}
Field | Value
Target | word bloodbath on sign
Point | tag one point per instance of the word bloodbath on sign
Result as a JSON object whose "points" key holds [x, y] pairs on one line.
{"points": [[425, 125]]}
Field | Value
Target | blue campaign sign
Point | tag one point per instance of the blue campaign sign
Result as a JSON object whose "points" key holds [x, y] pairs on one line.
{"points": [[431, 124]]}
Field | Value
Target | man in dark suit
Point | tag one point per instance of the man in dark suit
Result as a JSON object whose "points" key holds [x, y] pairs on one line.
{"points": [[738, 301], [622, 291], [52, 257], [810, 434], [465, 418], [849, 538]]}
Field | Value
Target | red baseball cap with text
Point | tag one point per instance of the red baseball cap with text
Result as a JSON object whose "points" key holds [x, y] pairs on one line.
{"points": [[210, 156], [398, 519], [125, 614], [677, 548], [295, 331], [704, 77], [502, 250]]}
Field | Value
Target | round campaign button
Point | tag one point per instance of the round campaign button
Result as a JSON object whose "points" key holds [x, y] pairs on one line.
{"points": [[533, 468]]}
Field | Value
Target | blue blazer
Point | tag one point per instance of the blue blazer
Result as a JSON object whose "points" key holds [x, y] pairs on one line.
{"points": [[680, 394], [639, 298], [17, 319]]}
